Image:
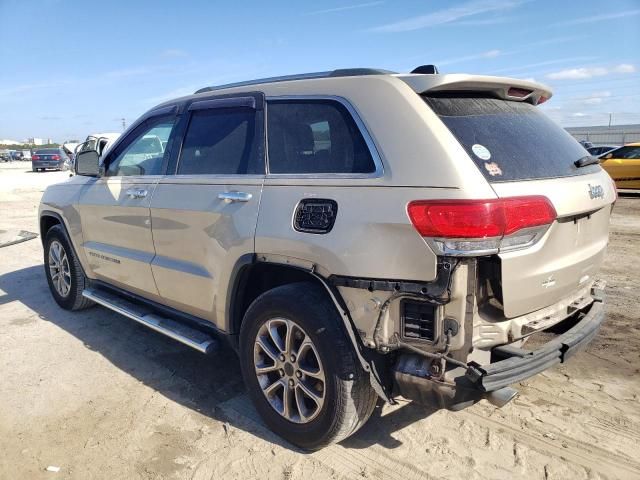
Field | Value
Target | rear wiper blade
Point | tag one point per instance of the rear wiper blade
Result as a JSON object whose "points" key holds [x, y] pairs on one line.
{"points": [[586, 161]]}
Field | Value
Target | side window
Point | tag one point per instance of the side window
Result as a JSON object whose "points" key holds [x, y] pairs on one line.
{"points": [[145, 153], [627, 153], [222, 141], [315, 136]]}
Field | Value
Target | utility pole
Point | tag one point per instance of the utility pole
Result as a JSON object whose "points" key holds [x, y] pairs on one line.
{"points": [[610, 115]]}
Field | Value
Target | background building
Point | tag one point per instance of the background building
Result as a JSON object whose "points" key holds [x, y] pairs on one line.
{"points": [[614, 135]]}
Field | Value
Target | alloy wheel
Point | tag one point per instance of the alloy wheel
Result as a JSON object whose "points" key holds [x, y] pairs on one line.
{"points": [[289, 370]]}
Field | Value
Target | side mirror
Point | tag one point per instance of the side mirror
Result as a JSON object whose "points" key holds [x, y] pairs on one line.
{"points": [[607, 156], [88, 163]]}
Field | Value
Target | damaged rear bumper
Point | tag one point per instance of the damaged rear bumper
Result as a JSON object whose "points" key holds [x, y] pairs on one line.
{"points": [[461, 388], [520, 364]]}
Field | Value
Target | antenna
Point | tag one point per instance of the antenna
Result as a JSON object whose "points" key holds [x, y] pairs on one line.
{"points": [[124, 124]]}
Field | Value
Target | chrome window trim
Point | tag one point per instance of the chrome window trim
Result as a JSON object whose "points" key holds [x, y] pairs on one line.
{"points": [[368, 139]]}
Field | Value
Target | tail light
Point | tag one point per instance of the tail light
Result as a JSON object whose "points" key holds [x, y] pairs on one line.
{"points": [[55, 157], [481, 227], [35, 157]]}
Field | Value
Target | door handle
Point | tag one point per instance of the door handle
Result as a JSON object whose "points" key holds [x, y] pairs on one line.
{"points": [[136, 193], [229, 197]]}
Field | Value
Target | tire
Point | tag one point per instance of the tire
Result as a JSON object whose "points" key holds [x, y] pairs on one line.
{"points": [[69, 298], [347, 397]]}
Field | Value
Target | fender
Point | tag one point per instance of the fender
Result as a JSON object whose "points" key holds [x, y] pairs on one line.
{"points": [[65, 230]]}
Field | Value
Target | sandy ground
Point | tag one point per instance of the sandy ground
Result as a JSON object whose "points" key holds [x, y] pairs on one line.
{"points": [[101, 397]]}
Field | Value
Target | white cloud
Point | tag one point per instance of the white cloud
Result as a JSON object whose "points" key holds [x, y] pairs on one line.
{"points": [[579, 114], [482, 22], [599, 18], [594, 98], [174, 53], [345, 7], [589, 72], [624, 68], [448, 15], [530, 66], [488, 54]]}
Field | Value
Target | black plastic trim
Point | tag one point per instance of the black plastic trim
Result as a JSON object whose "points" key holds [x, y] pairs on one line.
{"points": [[437, 288], [521, 364], [232, 102]]}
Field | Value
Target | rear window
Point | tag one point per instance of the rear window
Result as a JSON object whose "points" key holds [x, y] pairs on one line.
{"points": [[510, 140], [49, 151]]}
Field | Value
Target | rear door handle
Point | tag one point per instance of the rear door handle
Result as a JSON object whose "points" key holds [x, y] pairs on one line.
{"points": [[229, 197], [136, 193]]}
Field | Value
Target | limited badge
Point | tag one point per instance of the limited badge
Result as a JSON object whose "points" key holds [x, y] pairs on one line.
{"points": [[493, 168], [481, 151]]}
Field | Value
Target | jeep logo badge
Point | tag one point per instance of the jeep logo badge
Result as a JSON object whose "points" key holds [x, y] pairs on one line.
{"points": [[596, 191]]}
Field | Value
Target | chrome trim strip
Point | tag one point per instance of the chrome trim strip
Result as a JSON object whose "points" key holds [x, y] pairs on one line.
{"points": [[368, 138], [136, 255], [150, 320]]}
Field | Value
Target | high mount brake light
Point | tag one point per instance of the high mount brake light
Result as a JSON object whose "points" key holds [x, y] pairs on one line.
{"points": [[468, 227]]}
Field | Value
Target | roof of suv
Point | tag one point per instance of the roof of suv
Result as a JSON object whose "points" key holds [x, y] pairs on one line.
{"points": [[503, 87]]}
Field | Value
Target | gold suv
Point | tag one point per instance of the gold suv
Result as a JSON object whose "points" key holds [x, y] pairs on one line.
{"points": [[355, 235]]}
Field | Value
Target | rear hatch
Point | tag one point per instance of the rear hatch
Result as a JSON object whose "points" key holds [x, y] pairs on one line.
{"points": [[521, 152]]}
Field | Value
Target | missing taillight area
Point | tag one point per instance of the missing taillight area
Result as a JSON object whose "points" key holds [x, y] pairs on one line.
{"points": [[472, 227]]}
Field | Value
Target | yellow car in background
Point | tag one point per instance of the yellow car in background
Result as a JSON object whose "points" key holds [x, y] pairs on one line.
{"points": [[623, 164]]}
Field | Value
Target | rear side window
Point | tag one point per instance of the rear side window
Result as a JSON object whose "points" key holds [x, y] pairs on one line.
{"points": [[510, 140], [315, 136], [221, 141]]}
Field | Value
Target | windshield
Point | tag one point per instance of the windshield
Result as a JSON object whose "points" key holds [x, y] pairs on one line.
{"points": [[509, 140]]}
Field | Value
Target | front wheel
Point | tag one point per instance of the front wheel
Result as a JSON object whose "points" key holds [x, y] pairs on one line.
{"points": [[300, 368], [64, 274]]}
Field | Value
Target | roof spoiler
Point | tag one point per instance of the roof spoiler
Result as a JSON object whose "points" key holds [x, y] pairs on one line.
{"points": [[501, 87]]}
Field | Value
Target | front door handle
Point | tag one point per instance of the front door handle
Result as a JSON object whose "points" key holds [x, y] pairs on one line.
{"points": [[229, 197], [136, 193]]}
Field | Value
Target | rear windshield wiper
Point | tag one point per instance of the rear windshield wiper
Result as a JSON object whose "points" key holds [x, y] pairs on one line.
{"points": [[586, 161]]}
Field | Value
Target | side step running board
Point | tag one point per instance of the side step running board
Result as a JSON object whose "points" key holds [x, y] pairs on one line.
{"points": [[178, 331]]}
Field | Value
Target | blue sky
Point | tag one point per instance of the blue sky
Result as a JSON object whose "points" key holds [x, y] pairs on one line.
{"points": [[71, 68]]}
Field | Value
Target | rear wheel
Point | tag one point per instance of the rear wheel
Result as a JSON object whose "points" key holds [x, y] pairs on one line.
{"points": [[300, 368], [64, 274]]}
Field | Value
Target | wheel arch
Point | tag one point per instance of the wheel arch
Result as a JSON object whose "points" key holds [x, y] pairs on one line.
{"points": [[251, 278], [49, 219]]}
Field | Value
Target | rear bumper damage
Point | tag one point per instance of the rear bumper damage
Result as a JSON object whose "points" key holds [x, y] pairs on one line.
{"points": [[463, 386]]}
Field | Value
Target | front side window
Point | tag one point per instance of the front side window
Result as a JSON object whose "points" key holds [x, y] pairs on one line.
{"points": [[222, 141], [145, 153], [315, 136]]}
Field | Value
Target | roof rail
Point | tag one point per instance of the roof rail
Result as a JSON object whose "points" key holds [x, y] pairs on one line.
{"points": [[342, 72]]}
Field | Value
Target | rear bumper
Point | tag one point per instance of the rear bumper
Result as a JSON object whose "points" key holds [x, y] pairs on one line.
{"points": [[45, 164], [520, 364], [414, 380]]}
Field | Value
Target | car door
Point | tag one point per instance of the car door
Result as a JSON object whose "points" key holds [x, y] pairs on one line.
{"points": [[114, 209], [204, 215]]}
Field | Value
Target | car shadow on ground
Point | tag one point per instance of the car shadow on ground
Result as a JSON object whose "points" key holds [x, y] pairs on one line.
{"points": [[200, 382]]}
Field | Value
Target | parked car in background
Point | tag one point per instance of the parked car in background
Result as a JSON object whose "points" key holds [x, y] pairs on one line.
{"points": [[598, 150], [26, 155], [16, 155], [5, 156], [99, 142], [623, 164], [49, 159]]}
